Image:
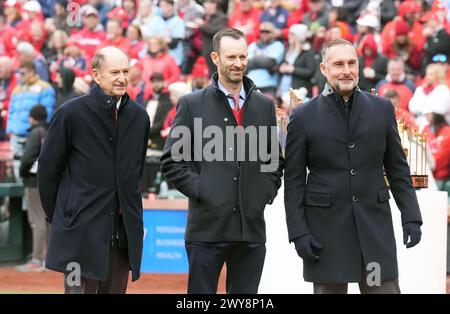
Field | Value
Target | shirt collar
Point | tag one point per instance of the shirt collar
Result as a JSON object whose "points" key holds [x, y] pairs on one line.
{"points": [[224, 90]]}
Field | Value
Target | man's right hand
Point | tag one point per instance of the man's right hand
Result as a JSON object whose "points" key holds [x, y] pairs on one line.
{"points": [[306, 246]]}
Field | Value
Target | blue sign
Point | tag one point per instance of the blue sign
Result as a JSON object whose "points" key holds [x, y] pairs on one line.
{"points": [[164, 250]]}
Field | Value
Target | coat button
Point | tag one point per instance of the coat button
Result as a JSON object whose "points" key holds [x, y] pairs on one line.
{"points": [[351, 145], [109, 101], [110, 139], [354, 198], [234, 210], [353, 172], [225, 119], [235, 179], [230, 148], [111, 212]]}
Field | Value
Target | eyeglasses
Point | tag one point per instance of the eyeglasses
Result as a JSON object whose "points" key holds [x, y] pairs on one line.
{"points": [[439, 58], [265, 31]]}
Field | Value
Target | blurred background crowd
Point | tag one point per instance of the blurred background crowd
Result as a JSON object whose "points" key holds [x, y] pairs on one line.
{"points": [[46, 48]]}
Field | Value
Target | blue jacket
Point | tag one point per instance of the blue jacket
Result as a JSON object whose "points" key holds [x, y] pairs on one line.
{"points": [[23, 99]]}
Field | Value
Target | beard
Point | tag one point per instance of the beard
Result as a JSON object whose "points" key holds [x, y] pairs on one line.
{"points": [[230, 75], [343, 88]]}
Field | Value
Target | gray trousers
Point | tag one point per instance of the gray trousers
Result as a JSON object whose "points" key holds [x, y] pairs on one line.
{"points": [[387, 287], [39, 227], [116, 281]]}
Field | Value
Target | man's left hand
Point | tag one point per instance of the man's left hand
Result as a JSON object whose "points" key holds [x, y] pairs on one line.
{"points": [[411, 230]]}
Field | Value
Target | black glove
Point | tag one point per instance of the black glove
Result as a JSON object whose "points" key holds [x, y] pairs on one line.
{"points": [[306, 246], [411, 230]]}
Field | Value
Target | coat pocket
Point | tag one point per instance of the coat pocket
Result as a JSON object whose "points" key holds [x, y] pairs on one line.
{"points": [[317, 199], [383, 195]]}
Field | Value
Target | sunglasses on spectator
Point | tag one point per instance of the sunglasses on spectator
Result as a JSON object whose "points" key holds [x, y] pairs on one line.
{"points": [[439, 58]]}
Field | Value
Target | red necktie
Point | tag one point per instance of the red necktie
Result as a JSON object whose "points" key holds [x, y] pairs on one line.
{"points": [[236, 110]]}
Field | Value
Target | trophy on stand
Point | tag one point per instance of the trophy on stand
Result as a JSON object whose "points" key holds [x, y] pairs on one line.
{"points": [[414, 145]]}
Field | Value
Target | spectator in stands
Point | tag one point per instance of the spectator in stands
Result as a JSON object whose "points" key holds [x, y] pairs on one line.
{"points": [[173, 30], [103, 8], [176, 91], [338, 18], [55, 49], [27, 53], [433, 93], [396, 80], [147, 18], [10, 33], [7, 85], [276, 14], [29, 92], [367, 24], [137, 44], [402, 116], [157, 108], [191, 12], [437, 37], [158, 59], [200, 75], [129, 6], [114, 36], [372, 64], [64, 82], [37, 35], [264, 56], [353, 10], [60, 17], [438, 131], [317, 15], [246, 18], [298, 65], [92, 35], [139, 90], [73, 58], [28, 173], [404, 48], [214, 21]]}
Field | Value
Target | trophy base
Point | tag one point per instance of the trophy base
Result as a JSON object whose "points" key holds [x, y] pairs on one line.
{"points": [[420, 181]]}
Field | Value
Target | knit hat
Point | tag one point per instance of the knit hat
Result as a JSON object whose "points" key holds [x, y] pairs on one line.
{"points": [[401, 28], [200, 69], [368, 20], [32, 6], [300, 31], [38, 113]]}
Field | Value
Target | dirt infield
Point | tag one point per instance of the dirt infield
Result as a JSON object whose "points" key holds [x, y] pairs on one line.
{"points": [[49, 281], [12, 281]]}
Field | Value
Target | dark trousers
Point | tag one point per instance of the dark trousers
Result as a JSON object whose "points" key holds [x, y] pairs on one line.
{"points": [[116, 279], [387, 287], [244, 267]]}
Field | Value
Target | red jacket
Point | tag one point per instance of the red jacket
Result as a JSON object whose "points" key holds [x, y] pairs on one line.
{"points": [[404, 92], [9, 89], [164, 64], [89, 40], [239, 19], [121, 43], [439, 144]]}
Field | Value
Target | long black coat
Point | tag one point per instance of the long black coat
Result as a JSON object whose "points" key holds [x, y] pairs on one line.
{"points": [[87, 169], [226, 198], [343, 200]]}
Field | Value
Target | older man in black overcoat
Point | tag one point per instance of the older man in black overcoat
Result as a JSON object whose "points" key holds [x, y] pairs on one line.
{"points": [[88, 177]]}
